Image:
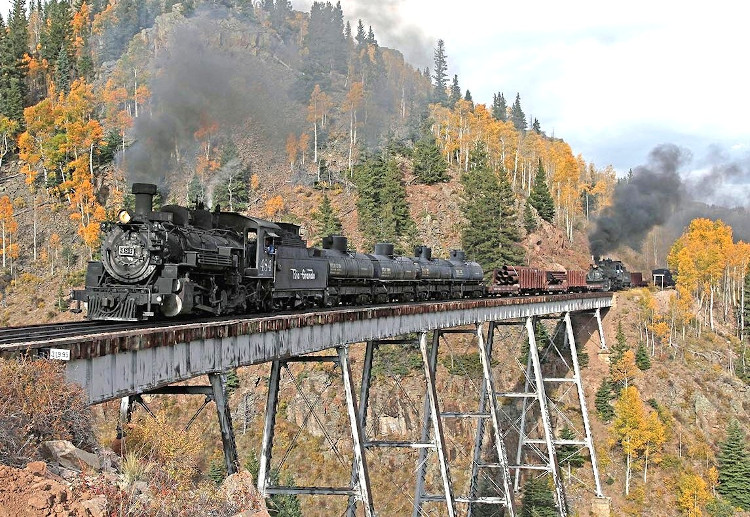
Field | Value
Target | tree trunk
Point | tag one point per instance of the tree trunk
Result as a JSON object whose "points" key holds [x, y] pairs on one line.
{"points": [[627, 475], [34, 224]]}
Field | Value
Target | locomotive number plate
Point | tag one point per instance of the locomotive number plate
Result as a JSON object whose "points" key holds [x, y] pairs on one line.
{"points": [[126, 251]]}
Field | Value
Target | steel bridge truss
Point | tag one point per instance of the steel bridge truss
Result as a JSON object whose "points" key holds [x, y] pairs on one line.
{"points": [[537, 440]]}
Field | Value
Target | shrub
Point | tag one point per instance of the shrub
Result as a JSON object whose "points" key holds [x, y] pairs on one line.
{"points": [[37, 404]]}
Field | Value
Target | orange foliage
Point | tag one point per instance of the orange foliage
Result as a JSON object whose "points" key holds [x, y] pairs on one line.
{"points": [[274, 206]]}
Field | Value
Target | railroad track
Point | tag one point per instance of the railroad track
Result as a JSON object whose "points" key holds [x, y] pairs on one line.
{"points": [[35, 333]]}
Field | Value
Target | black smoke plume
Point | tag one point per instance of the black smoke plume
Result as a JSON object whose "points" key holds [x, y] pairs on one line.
{"points": [[202, 76], [657, 195], [646, 200]]}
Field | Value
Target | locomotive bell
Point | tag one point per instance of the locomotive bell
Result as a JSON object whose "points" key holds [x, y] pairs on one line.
{"points": [[144, 199]]}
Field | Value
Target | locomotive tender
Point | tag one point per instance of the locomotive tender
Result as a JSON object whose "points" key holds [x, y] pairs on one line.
{"points": [[178, 261]]}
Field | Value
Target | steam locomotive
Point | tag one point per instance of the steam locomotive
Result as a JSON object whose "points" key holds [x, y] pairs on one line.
{"points": [[179, 261], [612, 275]]}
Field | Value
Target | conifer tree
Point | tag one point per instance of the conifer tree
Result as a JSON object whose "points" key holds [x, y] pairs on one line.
{"points": [[383, 211], [455, 92], [538, 499], [361, 37], [517, 115], [57, 31], [488, 204], [499, 107], [621, 344], [12, 65], [536, 126], [232, 382], [529, 218], [642, 359], [570, 454], [440, 94], [429, 164], [326, 221], [540, 197], [217, 471], [602, 401], [62, 71], [734, 467]]}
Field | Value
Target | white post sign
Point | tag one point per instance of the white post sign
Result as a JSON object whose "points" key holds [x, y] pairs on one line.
{"points": [[59, 354]]}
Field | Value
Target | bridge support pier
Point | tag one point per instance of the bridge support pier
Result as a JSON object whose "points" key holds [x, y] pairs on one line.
{"points": [[359, 488], [218, 385]]}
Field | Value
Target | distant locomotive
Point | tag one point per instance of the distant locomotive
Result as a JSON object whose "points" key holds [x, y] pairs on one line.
{"points": [[179, 261]]}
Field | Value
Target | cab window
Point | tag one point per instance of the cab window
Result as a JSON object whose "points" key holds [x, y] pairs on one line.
{"points": [[252, 247]]}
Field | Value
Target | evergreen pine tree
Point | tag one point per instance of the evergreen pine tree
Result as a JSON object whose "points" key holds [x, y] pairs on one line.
{"points": [[602, 401], [491, 234], [429, 164], [734, 467], [517, 115], [455, 92], [217, 471], [642, 359], [536, 126], [570, 454], [440, 94], [232, 381], [12, 65], [621, 345], [499, 107], [383, 211], [62, 71], [371, 36], [538, 499], [467, 97], [529, 218], [540, 197], [12, 100], [57, 31], [361, 37], [326, 221]]}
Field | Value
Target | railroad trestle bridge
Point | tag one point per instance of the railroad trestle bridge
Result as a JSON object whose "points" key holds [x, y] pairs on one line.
{"points": [[127, 363]]}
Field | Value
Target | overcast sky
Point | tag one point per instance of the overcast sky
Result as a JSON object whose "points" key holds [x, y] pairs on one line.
{"points": [[614, 79]]}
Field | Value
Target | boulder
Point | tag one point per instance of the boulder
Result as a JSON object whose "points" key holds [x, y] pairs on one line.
{"points": [[240, 490], [68, 456], [96, 507]]}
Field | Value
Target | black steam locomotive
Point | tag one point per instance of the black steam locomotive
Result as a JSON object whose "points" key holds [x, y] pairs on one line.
{"points": [[608, 275], [177, 261]]}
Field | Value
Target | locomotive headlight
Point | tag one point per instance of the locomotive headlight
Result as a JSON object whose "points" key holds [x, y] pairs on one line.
{"points": [[124, 216]]}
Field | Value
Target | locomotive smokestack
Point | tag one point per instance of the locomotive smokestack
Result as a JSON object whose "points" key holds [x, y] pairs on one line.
{"points": [[144, 198]]}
